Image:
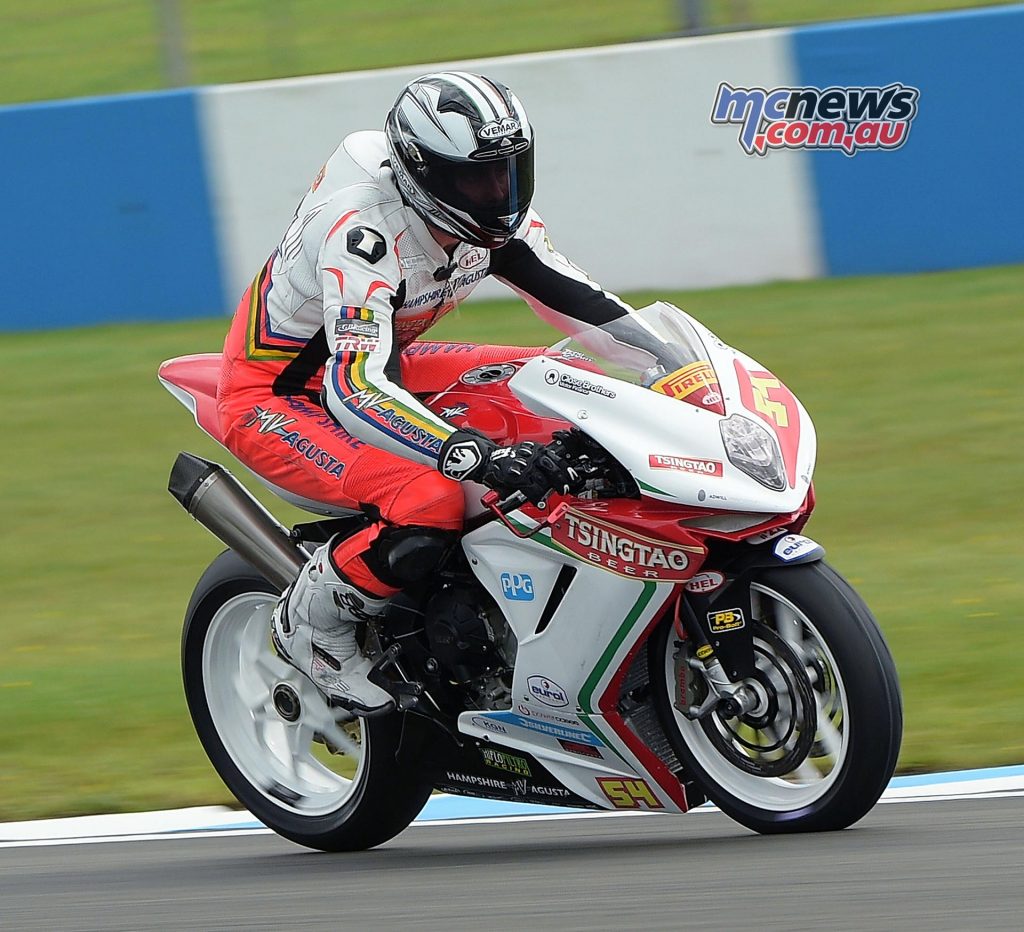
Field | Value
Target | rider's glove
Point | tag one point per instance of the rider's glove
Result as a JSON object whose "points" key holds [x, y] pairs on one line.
{"points": [[526, 467]]}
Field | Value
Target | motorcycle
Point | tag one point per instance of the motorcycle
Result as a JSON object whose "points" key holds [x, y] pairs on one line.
{"points": [[662, 637]]}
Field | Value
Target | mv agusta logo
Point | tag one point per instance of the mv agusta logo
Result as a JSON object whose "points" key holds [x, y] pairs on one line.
{"points": [[847, 119], [621, 551]]}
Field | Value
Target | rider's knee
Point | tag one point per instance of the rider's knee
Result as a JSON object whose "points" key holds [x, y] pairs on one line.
{"points": [[402, 556], [422, 522]]}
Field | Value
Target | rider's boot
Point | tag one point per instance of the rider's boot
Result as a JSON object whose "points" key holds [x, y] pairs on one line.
{"points": [[314, 629]]}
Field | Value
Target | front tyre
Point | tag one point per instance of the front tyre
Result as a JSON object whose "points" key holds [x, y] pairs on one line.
{"points": [[820, 748], [324, 783]]}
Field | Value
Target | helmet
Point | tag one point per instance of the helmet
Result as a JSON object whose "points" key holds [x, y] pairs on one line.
{"points": [[461, 149]]}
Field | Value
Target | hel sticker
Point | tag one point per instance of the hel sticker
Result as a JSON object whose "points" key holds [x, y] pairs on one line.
{"points": [[472, 257], [629, 794], [544, 690], [727, 619], [704, 651], [794, 546], [705, 582]]}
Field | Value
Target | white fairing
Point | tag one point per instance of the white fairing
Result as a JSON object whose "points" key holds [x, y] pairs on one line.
{"points": [[635, 424], [550, 695]]}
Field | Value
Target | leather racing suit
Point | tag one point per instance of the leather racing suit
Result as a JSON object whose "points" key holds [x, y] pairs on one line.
{"points": [[323, 362]]}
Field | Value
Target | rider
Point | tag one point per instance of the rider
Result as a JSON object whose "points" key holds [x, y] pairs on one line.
{"points": [[323, 369]]}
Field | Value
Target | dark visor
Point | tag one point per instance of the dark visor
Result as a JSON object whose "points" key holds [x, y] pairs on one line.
{"points": [[486, 190]]}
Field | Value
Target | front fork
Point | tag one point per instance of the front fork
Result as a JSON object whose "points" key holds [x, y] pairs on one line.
{"points": [[694, 654]]}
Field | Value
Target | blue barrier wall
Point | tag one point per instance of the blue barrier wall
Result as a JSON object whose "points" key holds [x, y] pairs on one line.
{"points": [[106, 215], [954, 194]]}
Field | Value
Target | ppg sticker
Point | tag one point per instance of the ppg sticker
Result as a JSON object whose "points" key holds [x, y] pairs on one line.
{"points": [[517, 587]]}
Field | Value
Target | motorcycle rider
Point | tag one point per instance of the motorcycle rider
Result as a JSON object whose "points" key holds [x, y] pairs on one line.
{"points": [[323, 366]]}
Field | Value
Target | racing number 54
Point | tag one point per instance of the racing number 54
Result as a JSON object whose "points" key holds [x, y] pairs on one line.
{"points": [[629, 794]]}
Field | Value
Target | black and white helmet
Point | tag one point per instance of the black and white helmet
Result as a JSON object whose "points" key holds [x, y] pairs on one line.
{"points": [[461, 149]]}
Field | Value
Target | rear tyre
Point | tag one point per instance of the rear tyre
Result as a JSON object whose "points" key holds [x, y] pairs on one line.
{"points": [[325, 784], [818, 751]]}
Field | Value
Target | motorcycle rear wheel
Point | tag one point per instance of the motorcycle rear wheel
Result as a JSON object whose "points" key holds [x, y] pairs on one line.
{"points": [[825, 745], [272, 738]]}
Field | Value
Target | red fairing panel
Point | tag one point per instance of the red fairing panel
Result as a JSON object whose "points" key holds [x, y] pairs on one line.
{"points": [[482, 399], [764, 395], [193, 381]]}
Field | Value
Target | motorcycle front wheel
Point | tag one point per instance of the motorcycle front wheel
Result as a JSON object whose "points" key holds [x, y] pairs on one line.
{"points": [[817, 751], [307, 771]]}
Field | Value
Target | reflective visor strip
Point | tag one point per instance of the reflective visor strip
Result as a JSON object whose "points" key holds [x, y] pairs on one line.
{"points": [[261, 341], [377, 405]]}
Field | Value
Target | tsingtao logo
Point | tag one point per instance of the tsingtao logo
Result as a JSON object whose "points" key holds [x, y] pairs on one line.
{"points": [[847, 119]]}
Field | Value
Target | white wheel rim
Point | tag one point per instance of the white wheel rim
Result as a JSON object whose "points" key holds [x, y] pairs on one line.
{"points": [[818, 772], [278, 758]]}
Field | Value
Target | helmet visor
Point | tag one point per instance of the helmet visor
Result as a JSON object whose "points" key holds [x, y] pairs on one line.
{"points": [[495, 193]]}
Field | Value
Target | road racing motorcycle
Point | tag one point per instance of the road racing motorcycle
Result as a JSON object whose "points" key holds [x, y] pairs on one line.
{"points": [[663, 637]]}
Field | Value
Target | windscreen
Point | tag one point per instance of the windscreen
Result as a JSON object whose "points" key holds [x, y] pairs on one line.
{"points": [[656, 347]]}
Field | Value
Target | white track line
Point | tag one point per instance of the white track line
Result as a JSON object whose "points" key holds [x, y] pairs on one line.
{"points": [[221, 822]]}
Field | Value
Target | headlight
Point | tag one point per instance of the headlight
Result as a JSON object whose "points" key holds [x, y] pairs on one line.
{"points": [[753, 450]]}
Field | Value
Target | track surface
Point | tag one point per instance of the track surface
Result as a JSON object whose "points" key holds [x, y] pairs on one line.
{"points": [[951, 865]]}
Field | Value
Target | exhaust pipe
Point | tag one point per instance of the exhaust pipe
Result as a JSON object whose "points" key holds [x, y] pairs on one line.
{"points": [[219, 502]]}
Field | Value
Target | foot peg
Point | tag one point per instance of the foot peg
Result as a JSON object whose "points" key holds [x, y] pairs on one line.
{"points": [[405, 692]]}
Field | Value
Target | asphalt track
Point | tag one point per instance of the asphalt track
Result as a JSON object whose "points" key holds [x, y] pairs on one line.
{"points": [[936, 865]]}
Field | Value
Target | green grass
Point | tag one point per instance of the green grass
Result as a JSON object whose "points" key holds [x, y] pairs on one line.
{"points": [[914, 385], [53, 48]]}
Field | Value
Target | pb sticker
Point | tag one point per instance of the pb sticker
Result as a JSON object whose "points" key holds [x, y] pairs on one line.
{"points": [[726, 619]]}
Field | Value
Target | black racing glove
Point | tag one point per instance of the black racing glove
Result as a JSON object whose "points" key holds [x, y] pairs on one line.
{"points": [[527, 467]]}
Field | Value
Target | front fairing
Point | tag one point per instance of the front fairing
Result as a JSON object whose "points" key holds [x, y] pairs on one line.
{"points": [[663, 426]]}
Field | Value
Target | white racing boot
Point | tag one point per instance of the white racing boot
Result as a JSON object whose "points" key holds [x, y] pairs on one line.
{"points": [[314, 629]]}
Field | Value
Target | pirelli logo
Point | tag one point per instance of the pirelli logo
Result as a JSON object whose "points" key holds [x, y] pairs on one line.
{"points": [[686, 381]]}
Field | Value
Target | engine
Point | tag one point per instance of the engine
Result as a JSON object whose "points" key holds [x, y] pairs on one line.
{"points": [[471, 643]]}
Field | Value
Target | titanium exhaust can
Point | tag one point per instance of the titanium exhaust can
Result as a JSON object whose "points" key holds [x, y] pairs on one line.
{"points": [[219, 502]]}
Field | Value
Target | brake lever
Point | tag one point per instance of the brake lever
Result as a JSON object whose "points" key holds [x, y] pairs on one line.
{"points": [[501, 507]]}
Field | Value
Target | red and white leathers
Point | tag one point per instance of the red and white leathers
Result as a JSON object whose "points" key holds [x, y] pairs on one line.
{"points": [[322, 364]]}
